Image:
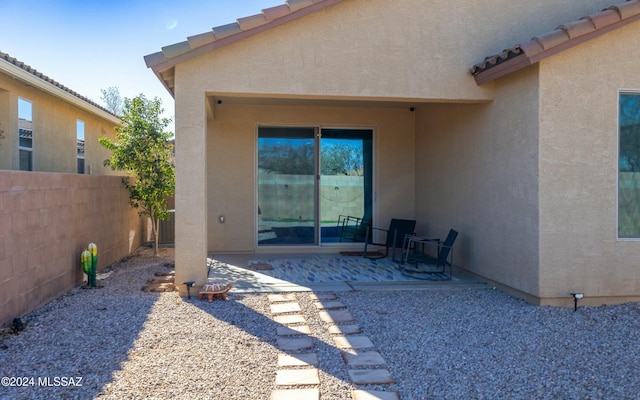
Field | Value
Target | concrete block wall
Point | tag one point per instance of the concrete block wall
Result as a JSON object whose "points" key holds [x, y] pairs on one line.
{"points": [[340, 195], [46, 221]]}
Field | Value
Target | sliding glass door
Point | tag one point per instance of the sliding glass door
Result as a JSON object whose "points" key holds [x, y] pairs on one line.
{"points": [[310, 181]]}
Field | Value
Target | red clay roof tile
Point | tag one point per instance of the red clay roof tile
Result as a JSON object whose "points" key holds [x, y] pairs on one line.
{"points": [[563, 37], [26, 68]]}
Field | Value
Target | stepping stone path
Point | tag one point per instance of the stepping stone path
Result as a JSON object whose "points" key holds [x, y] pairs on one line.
{"points": [[297, 376]]}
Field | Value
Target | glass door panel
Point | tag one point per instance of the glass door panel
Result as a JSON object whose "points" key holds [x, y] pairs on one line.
{"points": [[286, 186], [346, 180]]}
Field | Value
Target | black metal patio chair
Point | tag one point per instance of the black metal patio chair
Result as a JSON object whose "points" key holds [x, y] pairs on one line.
{"points": [[418, 263], [394, 237]]}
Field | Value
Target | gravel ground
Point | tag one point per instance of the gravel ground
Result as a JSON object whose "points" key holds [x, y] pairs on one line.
{"points": [[457, 344]]}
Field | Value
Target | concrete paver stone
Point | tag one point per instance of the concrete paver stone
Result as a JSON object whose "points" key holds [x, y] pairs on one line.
{"points": [[295, 344], [370, 376], [292, 377], [336, 316], [297, 360], [329, 305], [352, 342], [374, 395], [345, 329], [278, 298], [283, 308], [293, 330], [289, 319], [323, 296], [295, 394], [365, 359]]}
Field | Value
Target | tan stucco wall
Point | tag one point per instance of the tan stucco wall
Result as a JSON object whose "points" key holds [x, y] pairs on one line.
{"points": [[579, 250], [46, 221], [54, 127], [382, 49], [232, 140], [476, 172]]}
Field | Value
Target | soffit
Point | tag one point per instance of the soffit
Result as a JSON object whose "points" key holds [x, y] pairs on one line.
{"points": [[26, 73], [562, 38], [163, 62]]}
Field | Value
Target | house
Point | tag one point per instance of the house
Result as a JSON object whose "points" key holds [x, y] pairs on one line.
{"points": [[48, 127], [529, 154]]}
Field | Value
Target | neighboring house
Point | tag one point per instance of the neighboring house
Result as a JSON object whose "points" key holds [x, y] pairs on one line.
{"points": [[55, 197], [520, 155], [46, 126]]}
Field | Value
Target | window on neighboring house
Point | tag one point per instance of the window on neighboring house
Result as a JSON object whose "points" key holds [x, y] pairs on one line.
{"points": [[25, 134], [629, 165], [80, 145]]}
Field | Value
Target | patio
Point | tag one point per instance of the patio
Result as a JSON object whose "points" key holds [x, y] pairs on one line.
{"points": [[266, 273]]}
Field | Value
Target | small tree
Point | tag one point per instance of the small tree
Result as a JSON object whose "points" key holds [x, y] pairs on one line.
{"points": [[142, 149], [112, 99]]}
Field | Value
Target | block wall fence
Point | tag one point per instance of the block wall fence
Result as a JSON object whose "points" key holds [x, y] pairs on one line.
{"points": [[46, 221]]}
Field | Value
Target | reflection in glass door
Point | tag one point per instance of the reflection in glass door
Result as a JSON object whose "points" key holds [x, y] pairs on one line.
{"points": [[314, 185], [286, 186], [346, 179]]}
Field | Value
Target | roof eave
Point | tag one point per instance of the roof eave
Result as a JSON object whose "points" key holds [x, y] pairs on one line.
{"points": [[158, 63], [523, 60], [36, 82]]}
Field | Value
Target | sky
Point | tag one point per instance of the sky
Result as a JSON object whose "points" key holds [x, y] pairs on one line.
{"points": [[89, 45]]}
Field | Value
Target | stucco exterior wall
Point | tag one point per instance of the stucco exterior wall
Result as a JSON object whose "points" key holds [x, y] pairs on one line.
{"points": [[54, 131], [476, 172], [231, 160], [579, 250], [382, 49], [46, 221]]}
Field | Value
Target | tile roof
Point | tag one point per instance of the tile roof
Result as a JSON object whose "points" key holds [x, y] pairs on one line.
{"points": [[562, 38], [163, 61], [45, 79]]}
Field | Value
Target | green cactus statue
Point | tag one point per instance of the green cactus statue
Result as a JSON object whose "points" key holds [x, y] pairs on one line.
{"points": [[89, 261]]}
